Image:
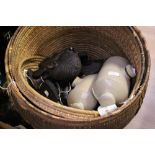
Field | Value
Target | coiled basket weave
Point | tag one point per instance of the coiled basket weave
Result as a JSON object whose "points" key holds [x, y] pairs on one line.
{"points": [[30, 45]]}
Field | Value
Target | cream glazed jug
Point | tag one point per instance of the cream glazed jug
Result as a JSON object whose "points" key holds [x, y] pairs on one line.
{"points": [[112, 84], [81, 95]]}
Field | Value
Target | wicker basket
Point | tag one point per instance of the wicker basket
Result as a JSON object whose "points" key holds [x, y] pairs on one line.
{"points": [[5, 126], [30, 45]]}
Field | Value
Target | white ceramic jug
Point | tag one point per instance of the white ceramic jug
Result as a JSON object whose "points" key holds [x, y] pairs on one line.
{"points": [[81, 96], [112, 84]]}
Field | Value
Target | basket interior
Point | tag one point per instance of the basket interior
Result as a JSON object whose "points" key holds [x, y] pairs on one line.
{"points": [[32, 44], [98, 42]]}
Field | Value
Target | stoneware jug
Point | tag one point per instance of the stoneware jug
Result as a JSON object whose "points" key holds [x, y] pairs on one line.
{"points": [[81, 96], [112, 84]]}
